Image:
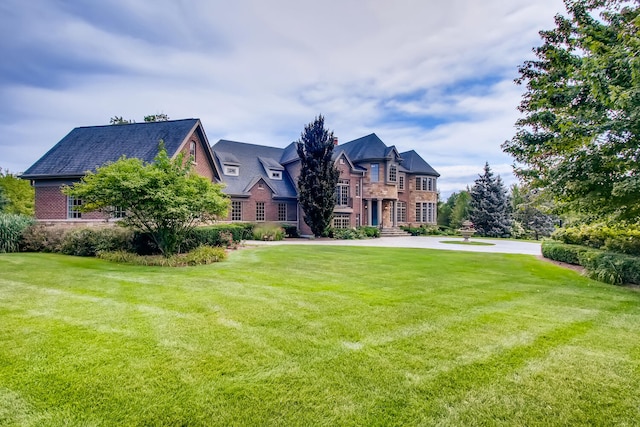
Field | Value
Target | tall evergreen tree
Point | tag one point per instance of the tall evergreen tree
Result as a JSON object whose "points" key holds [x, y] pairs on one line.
{"points": [[490, 206], [318, 176]]}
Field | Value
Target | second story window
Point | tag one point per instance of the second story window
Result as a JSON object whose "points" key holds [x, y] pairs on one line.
{"points": [[342, 193], [400, 182], [375, 172], [393, 173], [425, 183]]}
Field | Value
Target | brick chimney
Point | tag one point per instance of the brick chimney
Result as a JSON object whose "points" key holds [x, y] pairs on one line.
{"points": [[335, 140]]}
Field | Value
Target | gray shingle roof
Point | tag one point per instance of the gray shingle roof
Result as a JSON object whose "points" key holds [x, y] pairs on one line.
{"points": [[254, 161], [371, 147], [364, 148], [289, 154], [413, 163], [86, 148]]}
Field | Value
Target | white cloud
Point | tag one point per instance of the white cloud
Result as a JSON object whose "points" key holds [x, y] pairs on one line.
{"points": [[258, 71]]}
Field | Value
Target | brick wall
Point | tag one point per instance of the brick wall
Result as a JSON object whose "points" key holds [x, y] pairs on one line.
{"points": [[51, 204], [202, 166]]}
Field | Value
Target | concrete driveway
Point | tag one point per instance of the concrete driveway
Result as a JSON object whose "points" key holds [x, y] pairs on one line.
{"points": [[421, 242]]}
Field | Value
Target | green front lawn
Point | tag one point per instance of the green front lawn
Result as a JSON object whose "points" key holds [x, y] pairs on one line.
{"points": [[313, 335]]}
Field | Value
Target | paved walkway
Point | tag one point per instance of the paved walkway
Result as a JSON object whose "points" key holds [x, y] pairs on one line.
{"points": [[424, 242]]}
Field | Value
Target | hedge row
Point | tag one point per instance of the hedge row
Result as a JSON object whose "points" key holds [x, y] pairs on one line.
{"points": [[622, 238], [89, 241], [608, 267]]}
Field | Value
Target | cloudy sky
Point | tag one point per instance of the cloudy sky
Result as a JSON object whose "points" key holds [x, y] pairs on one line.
{"points": [[434, 76]]}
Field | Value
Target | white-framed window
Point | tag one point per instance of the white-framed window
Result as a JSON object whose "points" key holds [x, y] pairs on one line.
{"points": [[393, 173], [231, 170], [192, 151], [73, 207], [341, 221], [275, 174], [117, 212], [426, 212], [342, 160], [425, 183], [357, 189], [259, 211], [358, 223], [375, 172], [401, 182], [342, 192], [261, 185], [236, 211], [402, 211], [282, 211]]}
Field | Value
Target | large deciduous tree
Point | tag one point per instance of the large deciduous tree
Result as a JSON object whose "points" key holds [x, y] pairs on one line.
{"points": [[318, 176], [579, 139], [19, 195], [489, 205], [165, 198]]}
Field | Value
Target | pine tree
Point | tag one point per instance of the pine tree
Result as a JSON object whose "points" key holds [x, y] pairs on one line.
{"points": [[318, 176], [490, 211]]}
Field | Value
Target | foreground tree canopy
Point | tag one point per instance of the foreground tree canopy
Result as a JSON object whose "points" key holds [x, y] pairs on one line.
{"points": [[165, 198], [579, 139], [318, 176]]}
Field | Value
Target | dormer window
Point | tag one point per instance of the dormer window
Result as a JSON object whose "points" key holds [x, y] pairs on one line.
{"points": [[275, 174], [231, 170]]}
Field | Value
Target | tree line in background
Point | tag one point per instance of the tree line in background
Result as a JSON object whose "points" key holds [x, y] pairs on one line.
{"points": [[495, 212]]}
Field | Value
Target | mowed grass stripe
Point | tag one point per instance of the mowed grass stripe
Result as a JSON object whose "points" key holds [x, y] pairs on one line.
{"points": [[315, 336]]}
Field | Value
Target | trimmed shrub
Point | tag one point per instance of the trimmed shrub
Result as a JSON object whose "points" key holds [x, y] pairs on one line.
{"points": [[42, 238], [200, 256], [11, 228], [622, 238], [204, 255], [358, 233], [369, 231], [348, 234], [562, 252], [91, 241], [222, 235], [608, 267], [268, 232]]}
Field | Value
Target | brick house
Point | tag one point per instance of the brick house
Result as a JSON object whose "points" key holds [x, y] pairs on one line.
{"points": [[378, 186], [86, 148]]}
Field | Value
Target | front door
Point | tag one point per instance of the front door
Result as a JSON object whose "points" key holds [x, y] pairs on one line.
{"points": [[374, 213]]}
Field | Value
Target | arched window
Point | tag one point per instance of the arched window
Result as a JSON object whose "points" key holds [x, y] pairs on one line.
{"points": [[192, 151]]}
